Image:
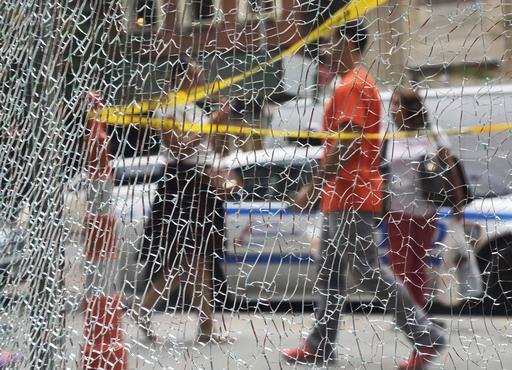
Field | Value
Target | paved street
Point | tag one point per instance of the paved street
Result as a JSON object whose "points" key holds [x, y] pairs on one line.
{"points": [[366, 342]]}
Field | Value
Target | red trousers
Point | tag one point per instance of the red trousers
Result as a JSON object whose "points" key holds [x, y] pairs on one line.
{"points": [[410, 238]]}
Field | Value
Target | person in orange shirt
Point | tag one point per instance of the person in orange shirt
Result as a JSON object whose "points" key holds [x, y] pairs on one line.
{"points": [[349, 185]]}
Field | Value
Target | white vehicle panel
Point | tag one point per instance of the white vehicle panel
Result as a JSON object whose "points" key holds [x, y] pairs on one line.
{"points": [[268, 247]]}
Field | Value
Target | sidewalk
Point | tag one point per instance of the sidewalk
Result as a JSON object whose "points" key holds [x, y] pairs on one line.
{"points": [[366, 342]]}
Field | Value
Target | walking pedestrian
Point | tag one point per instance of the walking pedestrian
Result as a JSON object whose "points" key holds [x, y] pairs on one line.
{"points": [[411, 218], [350, 186], [187, 221]]}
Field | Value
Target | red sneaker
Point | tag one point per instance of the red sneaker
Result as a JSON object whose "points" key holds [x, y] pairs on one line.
{"points": [[303, 353], [420, 360]]}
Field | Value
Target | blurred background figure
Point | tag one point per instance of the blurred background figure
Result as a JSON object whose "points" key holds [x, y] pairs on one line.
{"points": [[8, 359], [185, 229], [410, 217]]}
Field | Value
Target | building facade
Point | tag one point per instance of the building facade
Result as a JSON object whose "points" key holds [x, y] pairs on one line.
{"points": [[427, 41], [442, 42]]}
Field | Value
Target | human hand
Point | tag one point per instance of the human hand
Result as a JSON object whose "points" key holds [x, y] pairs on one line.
{"points": [[305, 197], [223, 181]]}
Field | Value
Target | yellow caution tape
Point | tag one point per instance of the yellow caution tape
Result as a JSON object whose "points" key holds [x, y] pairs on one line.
{"points": [[167, 124], [349, 12], [132, 114]]}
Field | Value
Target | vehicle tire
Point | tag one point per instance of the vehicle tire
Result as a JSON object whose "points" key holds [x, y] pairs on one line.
{"points": [[495, 262]]}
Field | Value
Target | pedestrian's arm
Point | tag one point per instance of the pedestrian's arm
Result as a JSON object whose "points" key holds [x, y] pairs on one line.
{"points": [[455, 180], [337, 153], [219, 138], [224, 181]]}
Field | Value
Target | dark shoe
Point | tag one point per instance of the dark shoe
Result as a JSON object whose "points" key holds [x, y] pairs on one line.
{"points": [[144, 324], [422, 359], [148, 333]]}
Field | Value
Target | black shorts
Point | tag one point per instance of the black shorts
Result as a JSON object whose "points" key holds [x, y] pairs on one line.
{"points": [[186, 217]]}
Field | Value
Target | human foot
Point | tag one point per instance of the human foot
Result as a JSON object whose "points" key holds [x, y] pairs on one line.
{"points": [[421, 359]]}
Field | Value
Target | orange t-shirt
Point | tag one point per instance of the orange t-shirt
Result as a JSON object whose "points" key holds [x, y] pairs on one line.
{"points": [[357, 185]]}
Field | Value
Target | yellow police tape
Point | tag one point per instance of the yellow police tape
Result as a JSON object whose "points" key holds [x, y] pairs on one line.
{"points": [[133, 114], [167, 124], [349, 12]]}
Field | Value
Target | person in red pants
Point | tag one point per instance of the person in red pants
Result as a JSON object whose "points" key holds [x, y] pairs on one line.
{"points": [[411, 218], [410, 238]]}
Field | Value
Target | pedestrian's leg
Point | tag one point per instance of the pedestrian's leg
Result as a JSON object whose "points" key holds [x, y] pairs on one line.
{"points": [[160, 241], [167, 280], [329, 288], [418, 242], [199, 287], [206, 240], [379, 279], [154, 228], [396, 245], [408, 254]]}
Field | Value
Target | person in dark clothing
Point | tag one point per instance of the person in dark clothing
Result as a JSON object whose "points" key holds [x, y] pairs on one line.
{"points": [[185, 230]]}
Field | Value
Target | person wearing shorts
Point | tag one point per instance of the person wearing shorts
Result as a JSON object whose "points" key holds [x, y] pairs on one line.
{"points": [[185, 229]]}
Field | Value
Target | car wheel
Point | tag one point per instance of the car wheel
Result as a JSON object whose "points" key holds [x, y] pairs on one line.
{"points": [[495, 262]]}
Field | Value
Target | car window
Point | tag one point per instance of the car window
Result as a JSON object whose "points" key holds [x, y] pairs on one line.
{"points": [[273, 181], [137, 175], [489, 179], [488, 186]]}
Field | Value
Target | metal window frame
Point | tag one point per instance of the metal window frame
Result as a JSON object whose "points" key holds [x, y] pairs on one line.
{"points": [[245, 14], [184, 14], [131, 17]]}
